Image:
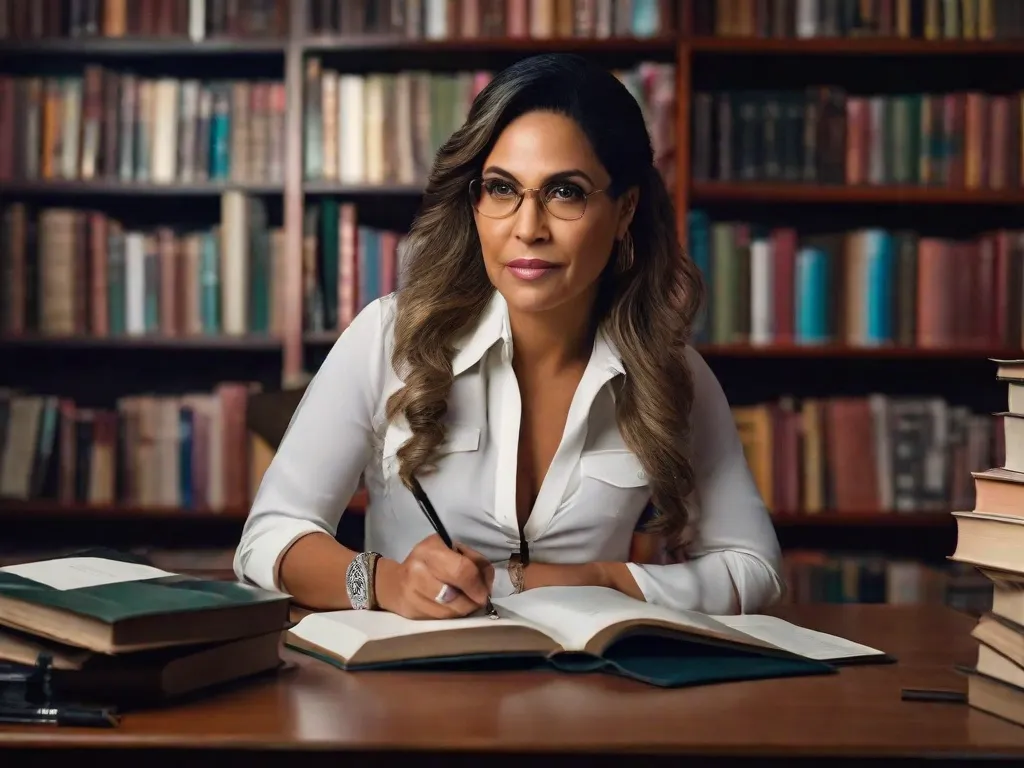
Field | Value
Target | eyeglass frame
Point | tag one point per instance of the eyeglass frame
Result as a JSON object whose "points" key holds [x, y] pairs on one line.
{"points": [[521, 195]]}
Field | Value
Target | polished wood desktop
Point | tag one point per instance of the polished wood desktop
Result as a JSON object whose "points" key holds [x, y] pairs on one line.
{"points": [[314, 715]]}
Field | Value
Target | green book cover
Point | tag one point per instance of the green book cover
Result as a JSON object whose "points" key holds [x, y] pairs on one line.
{"points": [[111, 603], [114, 603]]}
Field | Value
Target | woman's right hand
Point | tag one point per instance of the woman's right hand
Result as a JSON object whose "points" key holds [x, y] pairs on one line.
{"points": [[434, 582]]}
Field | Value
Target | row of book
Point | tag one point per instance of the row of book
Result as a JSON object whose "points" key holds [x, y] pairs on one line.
{"points": [[865, 287], [345, 265], [81, 272], [825, 135], [874, 454], [441, 20], [77, 271], [195, 19], [191, 451], [120, 126], [386, 128], [917, 19], [430, 19], [822, 576], [990, 539], [445, 19]]}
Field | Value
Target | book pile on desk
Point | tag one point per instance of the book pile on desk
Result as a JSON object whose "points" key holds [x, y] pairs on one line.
{"points": [[991, 538], [116, 632]]}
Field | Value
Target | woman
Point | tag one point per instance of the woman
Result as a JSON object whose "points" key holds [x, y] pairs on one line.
{"points": [[533, 376]]}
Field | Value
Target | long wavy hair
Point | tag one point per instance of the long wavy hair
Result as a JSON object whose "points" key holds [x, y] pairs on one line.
{"points": [[647, 311]]}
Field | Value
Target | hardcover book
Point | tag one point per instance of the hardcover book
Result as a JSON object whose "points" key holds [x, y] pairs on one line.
{"points": [[115, 606]]}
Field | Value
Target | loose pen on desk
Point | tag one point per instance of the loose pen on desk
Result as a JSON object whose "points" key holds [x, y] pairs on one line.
{"points": [[435, 522], [58, 715], [942, 696]]}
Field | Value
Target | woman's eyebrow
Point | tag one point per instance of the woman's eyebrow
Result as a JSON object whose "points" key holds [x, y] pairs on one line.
{"points": [[558, 176]]}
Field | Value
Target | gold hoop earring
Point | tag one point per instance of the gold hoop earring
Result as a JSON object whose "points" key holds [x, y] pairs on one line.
{"points": [[626, 254]]}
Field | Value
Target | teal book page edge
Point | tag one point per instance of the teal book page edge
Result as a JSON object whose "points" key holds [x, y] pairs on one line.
{"points": [[111, 603], [684, 671], [676, 662]]}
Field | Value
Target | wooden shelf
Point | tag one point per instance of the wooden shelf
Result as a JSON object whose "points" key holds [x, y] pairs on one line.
{"points": [[701, 192], [358, 43], [867, 46], [771, 192], [142, 46], [47, 510], [220, 343], [337, 188], [843, 351], [122, 188], [889, 519], [182, 46]]}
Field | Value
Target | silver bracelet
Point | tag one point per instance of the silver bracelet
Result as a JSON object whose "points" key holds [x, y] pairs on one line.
{"points": [[359, 581]]}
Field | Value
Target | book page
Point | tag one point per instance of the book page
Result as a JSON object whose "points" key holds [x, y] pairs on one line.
{"points": [[574, 615], [81, 572], [790, 637], [345, 632]]}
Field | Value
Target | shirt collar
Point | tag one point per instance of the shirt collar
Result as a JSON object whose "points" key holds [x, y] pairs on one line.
{"points": [[493, 327]]}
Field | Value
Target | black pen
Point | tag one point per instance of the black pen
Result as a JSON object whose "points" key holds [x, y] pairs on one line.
{"points": [[435, 521], [70, 716], [927, 694]]}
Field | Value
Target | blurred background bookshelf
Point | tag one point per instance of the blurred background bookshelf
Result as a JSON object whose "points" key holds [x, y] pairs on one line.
{"points": [[198, 195]]}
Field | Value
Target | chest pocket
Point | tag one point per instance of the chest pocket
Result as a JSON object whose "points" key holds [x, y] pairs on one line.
{"points": [[458, 439], [620, 469]]}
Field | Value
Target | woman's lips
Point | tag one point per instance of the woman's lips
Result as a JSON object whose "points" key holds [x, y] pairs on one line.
{"points": [[531, 269]]}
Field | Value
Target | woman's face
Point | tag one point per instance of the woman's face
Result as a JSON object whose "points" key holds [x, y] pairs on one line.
{"points": [[545, 256]]}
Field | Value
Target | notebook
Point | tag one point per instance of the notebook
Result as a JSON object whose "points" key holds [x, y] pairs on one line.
{"points": [[580, 629]]}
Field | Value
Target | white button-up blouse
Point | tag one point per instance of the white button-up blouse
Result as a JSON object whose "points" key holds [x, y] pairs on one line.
{"points": [[589, 502]]}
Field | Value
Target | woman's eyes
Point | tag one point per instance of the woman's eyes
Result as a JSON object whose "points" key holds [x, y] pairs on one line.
{"points": [[565, 192], [556, 192]]}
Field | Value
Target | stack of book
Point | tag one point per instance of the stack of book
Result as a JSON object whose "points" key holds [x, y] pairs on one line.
{"points": [[991, 538], [101, 630]]}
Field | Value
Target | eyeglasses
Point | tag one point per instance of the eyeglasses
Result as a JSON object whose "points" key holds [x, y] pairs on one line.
{"points": [[499, 199]]}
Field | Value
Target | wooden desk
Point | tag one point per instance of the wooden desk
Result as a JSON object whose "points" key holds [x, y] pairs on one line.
{"points": [[456, 719]]}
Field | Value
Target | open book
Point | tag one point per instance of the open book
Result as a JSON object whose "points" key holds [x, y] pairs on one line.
{"points": [[581, 629]]}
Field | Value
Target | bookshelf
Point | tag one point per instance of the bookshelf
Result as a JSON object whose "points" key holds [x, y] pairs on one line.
{"points": [[709, 55]]}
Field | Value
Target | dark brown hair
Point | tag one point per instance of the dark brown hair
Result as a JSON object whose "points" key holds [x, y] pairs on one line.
{"points": [[646, 311]]}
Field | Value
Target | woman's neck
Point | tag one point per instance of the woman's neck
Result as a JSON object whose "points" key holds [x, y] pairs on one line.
{"points": [[549, 342]]}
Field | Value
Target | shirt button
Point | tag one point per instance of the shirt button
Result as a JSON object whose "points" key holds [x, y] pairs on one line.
{"points": [[641, 475]]}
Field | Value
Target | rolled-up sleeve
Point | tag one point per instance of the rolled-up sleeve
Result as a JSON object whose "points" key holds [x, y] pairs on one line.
{"points": [[316, 469], [735, 561]]}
